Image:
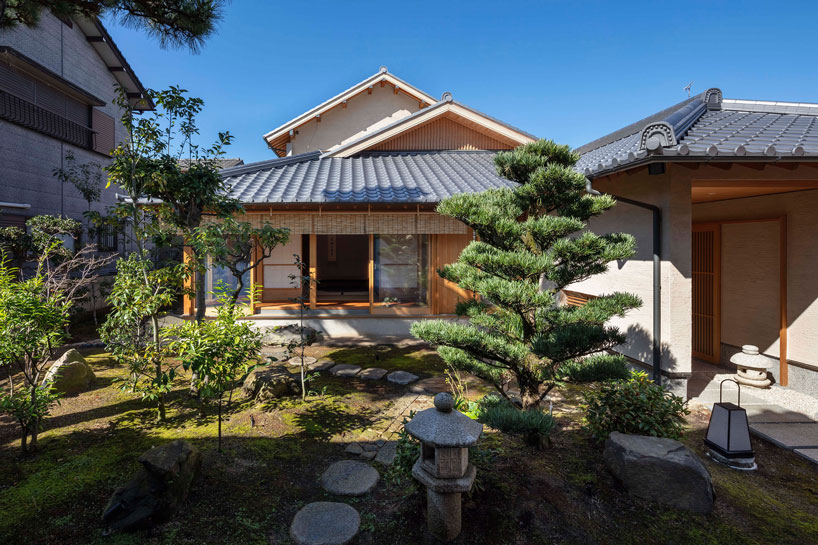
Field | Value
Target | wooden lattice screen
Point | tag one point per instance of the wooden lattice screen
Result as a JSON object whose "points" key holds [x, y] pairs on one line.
{"points": [[706, 265], [345, 223]]}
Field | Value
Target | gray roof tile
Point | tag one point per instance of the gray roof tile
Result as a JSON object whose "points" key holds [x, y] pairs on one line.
{"points": [[408, 176], [729, 128]]}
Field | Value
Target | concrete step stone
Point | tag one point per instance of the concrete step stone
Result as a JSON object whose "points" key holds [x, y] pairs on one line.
{"points": [[401, 377], [345, 370], [788, 435], [325, 523]]}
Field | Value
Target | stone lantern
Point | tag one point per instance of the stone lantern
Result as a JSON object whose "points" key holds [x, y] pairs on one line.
{"points": [[751, 367], [443, 467]]}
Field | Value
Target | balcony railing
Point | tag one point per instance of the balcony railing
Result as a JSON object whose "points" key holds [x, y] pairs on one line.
{"points": [[31, 116]]}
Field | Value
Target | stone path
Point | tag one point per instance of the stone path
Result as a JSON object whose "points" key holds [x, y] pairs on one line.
{"points": [[349, 478], [786, 428]]}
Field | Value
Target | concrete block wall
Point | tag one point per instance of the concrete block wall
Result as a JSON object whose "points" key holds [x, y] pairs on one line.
{"points": [[28, 158]]}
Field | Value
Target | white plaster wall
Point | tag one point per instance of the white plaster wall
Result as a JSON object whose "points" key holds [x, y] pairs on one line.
{"points": [[749, 285], [636, 274], [738, 321], [364, 113], [28, 158]]}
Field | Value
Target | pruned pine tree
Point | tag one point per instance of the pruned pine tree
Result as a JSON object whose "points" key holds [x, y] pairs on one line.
{"points": [[531, 242]]}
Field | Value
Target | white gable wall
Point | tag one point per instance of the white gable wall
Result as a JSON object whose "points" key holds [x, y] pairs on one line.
{"points": [[364, 113]]}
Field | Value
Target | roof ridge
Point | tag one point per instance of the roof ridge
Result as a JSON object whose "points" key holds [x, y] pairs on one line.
{"points": [[671, 113], [269, 164]]}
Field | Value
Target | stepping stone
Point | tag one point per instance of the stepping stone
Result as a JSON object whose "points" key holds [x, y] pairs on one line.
{"points": [[810, 454], [369, 447], [308, 360], [401, 377], [345, 370], [369, 454], [354, 448], [349, 478], [387, 453], [789, 435], [431, 386], [325, 523], [761, 414], [323, 365], [373, 373]]}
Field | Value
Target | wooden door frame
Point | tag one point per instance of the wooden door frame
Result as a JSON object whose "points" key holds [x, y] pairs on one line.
{"points": [[715, 227], [783, 253]]}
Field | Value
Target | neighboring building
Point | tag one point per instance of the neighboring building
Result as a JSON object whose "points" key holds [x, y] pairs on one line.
{"points": [[736, 182], [57, 85], [356, 182]]}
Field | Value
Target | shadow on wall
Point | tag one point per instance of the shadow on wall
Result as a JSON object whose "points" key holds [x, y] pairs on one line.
{"points": [[639, 345]]}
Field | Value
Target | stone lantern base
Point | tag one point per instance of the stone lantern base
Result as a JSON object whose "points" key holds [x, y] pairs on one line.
{"points": [[443, 499]]}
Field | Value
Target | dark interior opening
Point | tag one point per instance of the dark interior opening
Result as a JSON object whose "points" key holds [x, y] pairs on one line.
{"points": [[343, 267]]}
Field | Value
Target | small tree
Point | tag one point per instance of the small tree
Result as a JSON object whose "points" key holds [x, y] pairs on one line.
{"points": [[32, 324], [229, 243], [219, 349], [86, 178], [531, 243], [304, 282], [131, 330]]}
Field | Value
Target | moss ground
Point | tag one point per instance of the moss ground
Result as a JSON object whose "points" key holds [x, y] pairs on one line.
{"points": [[274, 455]]}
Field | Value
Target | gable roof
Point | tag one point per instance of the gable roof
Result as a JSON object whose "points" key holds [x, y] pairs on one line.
{"points": [[445, 106], [708, 127], [374, 177], [383, 75]]}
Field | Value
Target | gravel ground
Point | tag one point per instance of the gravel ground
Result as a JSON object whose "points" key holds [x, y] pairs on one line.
{"points": [[776, 395]]}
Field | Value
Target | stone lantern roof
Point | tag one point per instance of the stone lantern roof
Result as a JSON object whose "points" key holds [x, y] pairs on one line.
{"points": [[443, 427]]}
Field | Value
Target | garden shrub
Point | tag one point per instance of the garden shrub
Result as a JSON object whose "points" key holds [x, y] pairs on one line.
{"points": [[637, 406], [596, 369], [406, 454], [534, 424]]}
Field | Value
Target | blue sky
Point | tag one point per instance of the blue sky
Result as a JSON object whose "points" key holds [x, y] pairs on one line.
{"points": [[570, 71]]}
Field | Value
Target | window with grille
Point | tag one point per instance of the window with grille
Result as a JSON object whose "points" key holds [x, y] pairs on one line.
{"points": [[107, 238]]}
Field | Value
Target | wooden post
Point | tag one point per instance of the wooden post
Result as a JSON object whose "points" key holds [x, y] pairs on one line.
{"points": [[783, 367], [313, 271], [371, 272], [253, 276], [188, 301]]}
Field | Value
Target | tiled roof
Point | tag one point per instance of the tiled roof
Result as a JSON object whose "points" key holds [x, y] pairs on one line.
{"points": [[382, 177], [227, 162], [709, 127]]}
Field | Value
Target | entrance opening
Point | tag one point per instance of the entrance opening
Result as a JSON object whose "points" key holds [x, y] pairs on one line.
{"points": [[343, 268]]}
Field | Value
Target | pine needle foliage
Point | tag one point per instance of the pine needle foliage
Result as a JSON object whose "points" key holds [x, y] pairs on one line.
{"points": [[531, 242]]}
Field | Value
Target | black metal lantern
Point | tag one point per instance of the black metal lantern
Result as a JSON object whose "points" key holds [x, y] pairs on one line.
{"points": [[728, 433]]}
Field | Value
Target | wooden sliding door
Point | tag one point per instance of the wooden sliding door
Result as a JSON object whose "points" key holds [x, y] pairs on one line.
{"points": [[706, 270]]}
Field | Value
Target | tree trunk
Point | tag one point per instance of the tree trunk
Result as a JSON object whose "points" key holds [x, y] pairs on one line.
{"points": [[220, 423], [24, 439], [199, 283]]}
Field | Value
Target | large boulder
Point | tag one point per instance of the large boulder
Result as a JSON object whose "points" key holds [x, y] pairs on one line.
{"points": [[272, 382], [289, 335], [157, 490], [660, 470], [70, 374]]}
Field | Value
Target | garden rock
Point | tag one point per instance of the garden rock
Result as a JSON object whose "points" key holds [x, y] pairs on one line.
{"points": [[277, 353], [266, 383], [345, 370], [157, 490], [288, 335], [70, 374], [386, 454], [373, 373], [353, 448], [325, 523], [322, 365], [401, 377], [660, 470], [349, 478]]}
